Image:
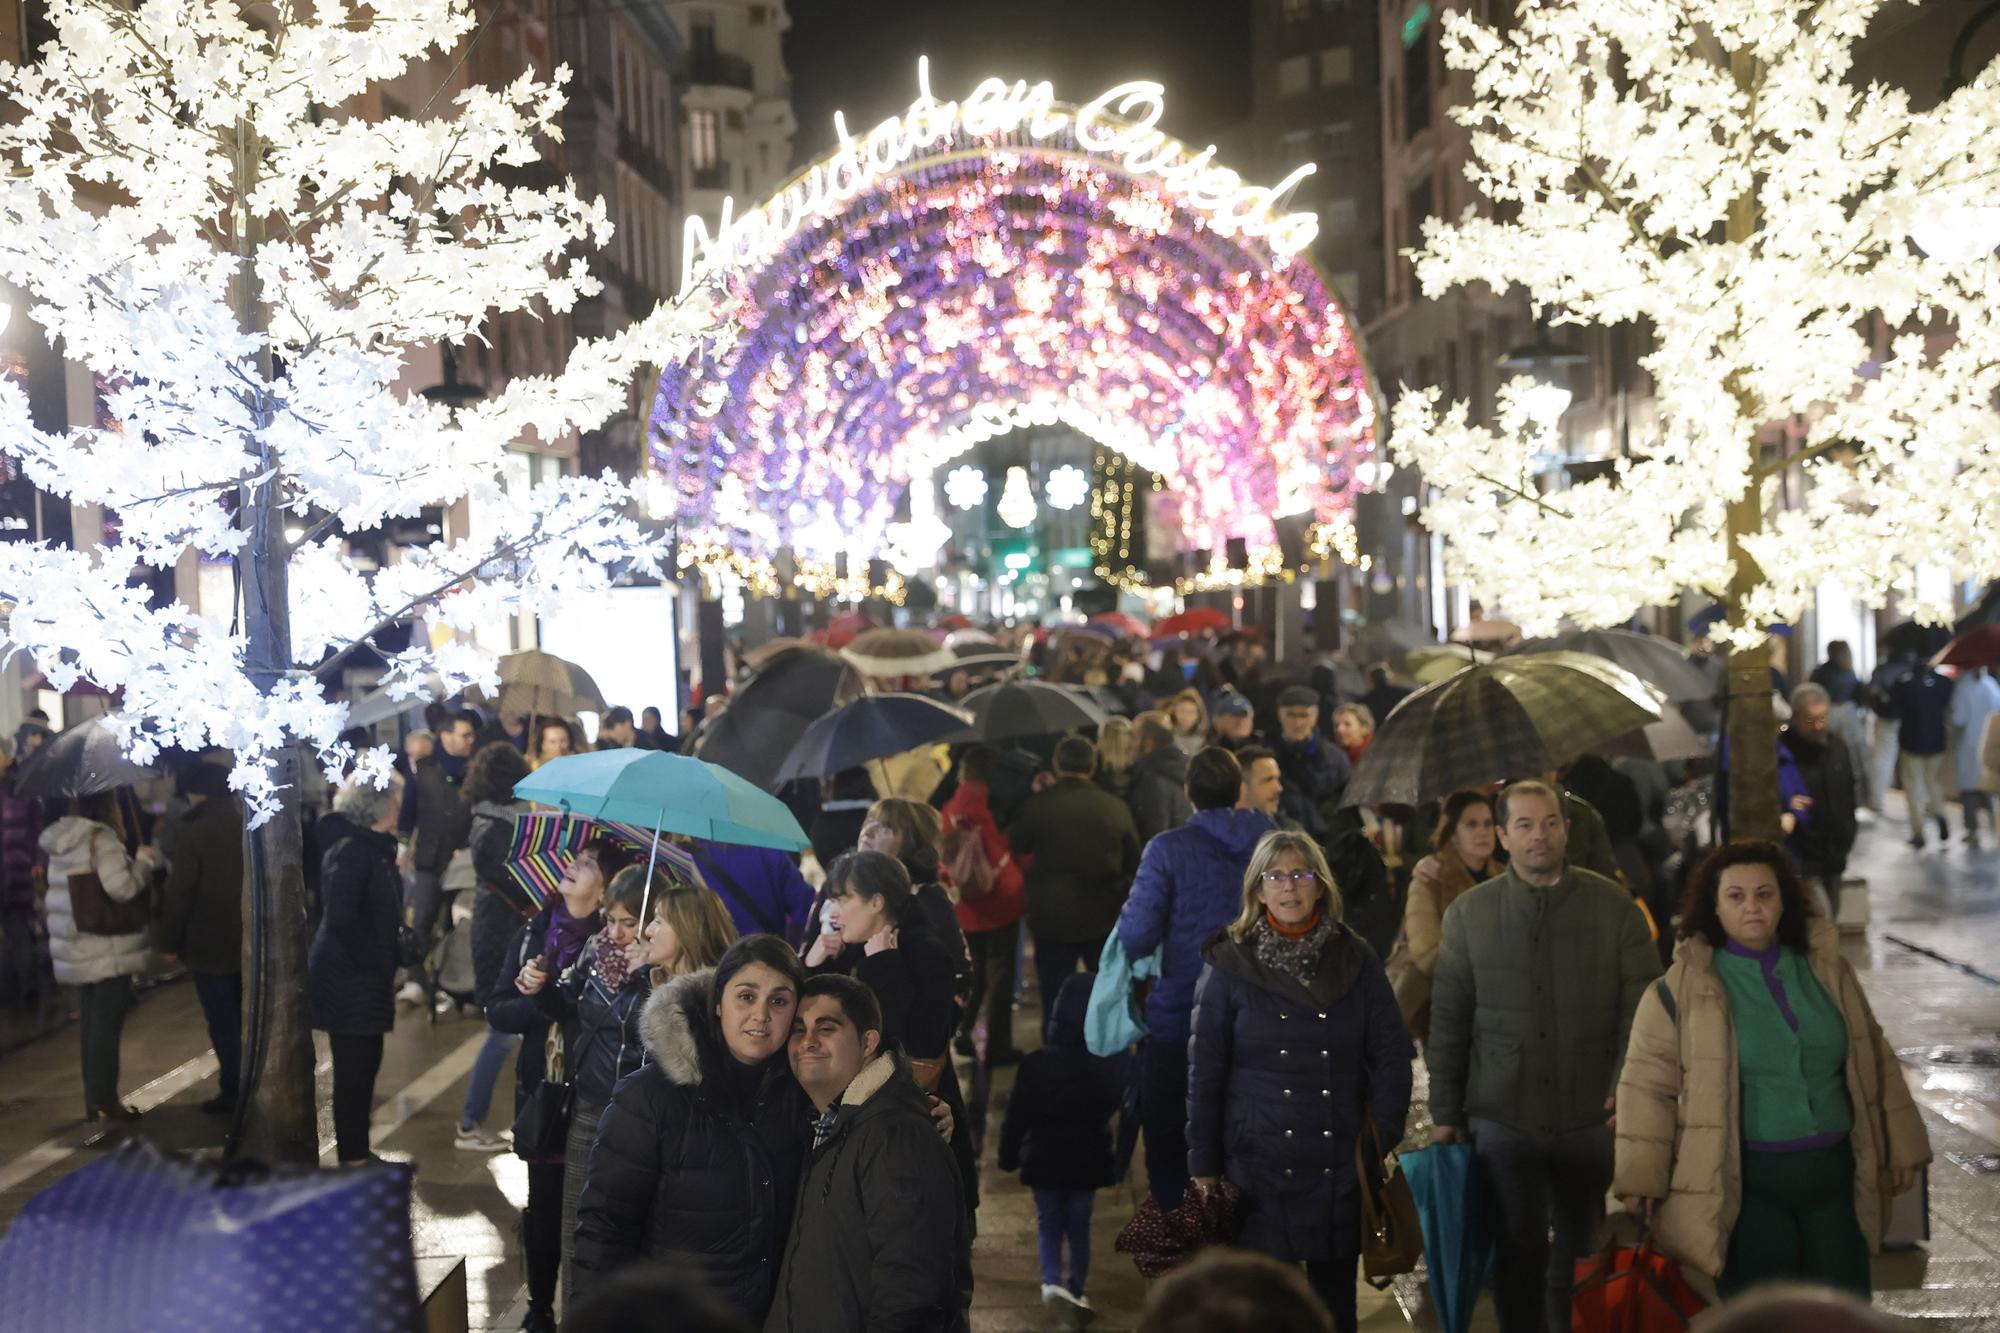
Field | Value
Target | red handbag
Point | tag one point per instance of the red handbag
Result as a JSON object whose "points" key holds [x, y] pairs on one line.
{"points": [[1628, 1289]]}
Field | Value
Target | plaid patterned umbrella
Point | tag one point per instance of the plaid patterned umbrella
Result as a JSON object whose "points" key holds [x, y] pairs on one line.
{"points": [[546, 840], [1508, 718], [1659, 662]]}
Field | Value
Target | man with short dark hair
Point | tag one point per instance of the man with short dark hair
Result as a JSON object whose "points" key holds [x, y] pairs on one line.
{"points": [[1080, 849], [1159, 778], [1234, 721], [615, 731], [1827, 767], [1539, 974], [437, 822], [880, 1231], [1315, 771], [1189, 885], [1263, 783]]}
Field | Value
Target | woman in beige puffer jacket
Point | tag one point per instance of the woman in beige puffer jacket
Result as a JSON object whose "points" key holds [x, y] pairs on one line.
{"points": [[1679, 1131]]}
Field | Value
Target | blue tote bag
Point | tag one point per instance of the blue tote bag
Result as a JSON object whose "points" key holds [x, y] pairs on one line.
{"points": [[140, 1241]]}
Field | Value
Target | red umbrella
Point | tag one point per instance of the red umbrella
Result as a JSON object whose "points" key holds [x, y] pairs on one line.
{"points": [[1195, 621], [844, 628], [1977, 647], [955, 621], [1128, 625]]}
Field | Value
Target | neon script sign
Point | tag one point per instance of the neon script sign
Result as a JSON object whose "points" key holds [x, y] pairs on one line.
{"points": [[1119, 124]]}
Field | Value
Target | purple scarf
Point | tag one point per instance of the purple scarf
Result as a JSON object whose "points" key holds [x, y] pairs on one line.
{"points": [[567, 935]]}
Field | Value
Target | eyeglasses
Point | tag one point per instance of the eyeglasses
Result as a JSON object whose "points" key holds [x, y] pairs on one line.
{"points": [[1277, 877]]}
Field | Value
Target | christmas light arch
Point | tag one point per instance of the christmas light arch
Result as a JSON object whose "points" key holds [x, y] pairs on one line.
{"points": [[971, 267]]}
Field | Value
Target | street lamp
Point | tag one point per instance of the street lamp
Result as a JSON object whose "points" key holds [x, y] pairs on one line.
{"points": [[1547, 363]]}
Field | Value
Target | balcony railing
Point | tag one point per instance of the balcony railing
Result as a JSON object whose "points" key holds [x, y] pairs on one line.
{"points": [[719, 69]]}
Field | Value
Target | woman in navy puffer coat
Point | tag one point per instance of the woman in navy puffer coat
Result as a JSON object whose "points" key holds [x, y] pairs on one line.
{"points": [[1296, 1040]]}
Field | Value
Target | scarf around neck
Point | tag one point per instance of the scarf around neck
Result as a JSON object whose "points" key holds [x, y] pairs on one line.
{"points": [[1295, 956], [566, 935], [608, 962]]}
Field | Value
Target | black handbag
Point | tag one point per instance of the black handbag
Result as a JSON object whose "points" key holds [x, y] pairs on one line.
{"points": [[541, 1129]]}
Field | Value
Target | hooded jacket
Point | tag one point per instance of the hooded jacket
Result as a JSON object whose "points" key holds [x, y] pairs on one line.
{"points": [[351, 968], [1058, 1127], [879, 1241], [687, 1171], [1679, 1104], [1158, 796], [76, 844], [1189, 885], [1281, 1075]]}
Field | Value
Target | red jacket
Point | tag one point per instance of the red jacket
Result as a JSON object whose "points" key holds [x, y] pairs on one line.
{"points": [[1007, 902]]}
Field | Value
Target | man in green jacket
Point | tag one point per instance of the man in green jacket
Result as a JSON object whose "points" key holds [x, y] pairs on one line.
{"points": [[1538, 977], [1080, 849]]}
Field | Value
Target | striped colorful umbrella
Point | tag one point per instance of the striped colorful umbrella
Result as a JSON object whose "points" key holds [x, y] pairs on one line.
{"points": [[545, 841]]}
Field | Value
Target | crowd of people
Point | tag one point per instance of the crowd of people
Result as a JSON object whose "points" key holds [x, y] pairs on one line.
{"points": [[767, 1079]]}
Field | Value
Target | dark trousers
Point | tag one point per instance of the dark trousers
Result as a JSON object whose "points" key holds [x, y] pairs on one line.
{"points": [[20, 953], [221, 996], [1333, 1282], [1798, 1223], [356, 1060], [1064, 1215], [994, 954], [1055, 960], [1163, 1111], [1536, 1184], [102, 1008], [542, 1233]]}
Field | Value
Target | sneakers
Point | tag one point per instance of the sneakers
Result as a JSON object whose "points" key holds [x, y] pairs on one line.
{"points": [[478, 1139], [412, 993], [1051, 1291]]}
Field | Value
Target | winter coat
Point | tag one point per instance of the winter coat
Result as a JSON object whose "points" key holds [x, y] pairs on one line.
{"points": [[1281, 1076], [1921, 701], [880, 1236], [1315, 773], [1412, 966], [934, 900], [507, 1010], [761, 887], [1082, 851], [1533, 999], [1989, 756], [601, 1038], [1825, 769], [1190, 885], [443, 822], [1006, 902], [74, 844], [1058, 1128], [201, 912], [684, 1172], [1679, 1102], [351, 968], [495, 918], [1975, 698], [1158, 796], [21, 854]]}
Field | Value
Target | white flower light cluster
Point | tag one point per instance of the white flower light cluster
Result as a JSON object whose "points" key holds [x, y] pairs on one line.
{"points": [[200, 221], [1620, 137]]}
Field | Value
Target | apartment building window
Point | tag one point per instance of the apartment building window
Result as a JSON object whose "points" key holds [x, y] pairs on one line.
{"points": [[1296, 146], [1417, 46], [1336, 67], [1338, 215], [1336, 141], [704, 140], [701, 34], [1294, 75]]}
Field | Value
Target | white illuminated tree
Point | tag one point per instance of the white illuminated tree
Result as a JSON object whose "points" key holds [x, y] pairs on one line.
{"points": [[1711, 167], [201, 220]]}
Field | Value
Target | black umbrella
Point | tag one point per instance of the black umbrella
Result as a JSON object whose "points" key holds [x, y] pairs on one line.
{"points": [[872, 727], [1027, 708], [1912, 638], [770, 712], [1507, 718], [1654, 660], [79, 762]]}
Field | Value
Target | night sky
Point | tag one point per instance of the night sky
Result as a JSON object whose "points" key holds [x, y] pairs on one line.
{"points": [[860, 56]]}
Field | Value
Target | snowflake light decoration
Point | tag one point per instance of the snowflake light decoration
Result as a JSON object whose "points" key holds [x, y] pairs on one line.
{"points": [[1067, 487], [965, 487], [1017, 501]]}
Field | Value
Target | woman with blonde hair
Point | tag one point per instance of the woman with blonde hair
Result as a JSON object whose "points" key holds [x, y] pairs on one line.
{"points": [[1189, 716], [1296, 1046], [1117, 747]]}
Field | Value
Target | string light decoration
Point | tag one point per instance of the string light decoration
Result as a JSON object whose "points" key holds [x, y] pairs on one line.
{"points": [[1066, 487], [965, 487], [973, 266], [1017, 502]]}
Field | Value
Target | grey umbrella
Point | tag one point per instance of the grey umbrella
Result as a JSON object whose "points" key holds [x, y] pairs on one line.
{"points": [[81, 761], [1027, 708]]}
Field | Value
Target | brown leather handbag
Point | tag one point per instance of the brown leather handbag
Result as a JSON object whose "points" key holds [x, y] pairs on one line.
{"points": [[97, 912], [1392, 1240]]}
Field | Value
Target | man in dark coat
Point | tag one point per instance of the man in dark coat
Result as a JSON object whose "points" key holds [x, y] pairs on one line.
{"points": [[1921, 701], [1233, 719], [1080, 848], [23, 867], [437, 822], [879, 1237], [1827, 765], [1315, 771], [1158, 776], [201, 917]]}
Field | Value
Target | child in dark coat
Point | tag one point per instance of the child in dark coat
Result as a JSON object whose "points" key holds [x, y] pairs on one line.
{"points": [[1058, 1135]]}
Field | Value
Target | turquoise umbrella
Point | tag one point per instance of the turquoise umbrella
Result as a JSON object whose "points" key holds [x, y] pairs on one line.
{"points": [[670, 793]]}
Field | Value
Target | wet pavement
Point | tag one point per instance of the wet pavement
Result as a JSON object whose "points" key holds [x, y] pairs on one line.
{"points": [[1930, 960]]}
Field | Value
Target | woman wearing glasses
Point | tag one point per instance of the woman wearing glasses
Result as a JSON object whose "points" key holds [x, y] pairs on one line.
{"points": [[1296, 1043]]}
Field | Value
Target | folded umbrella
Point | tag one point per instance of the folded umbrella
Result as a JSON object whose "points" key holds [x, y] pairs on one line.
{"points": [[1507, 718], [872, 727], [669, 793], [1458, 1246], [1018, 708], [546, 840], [1659, 662], [1197, 620], [1160, 1241], [81, 761]]}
